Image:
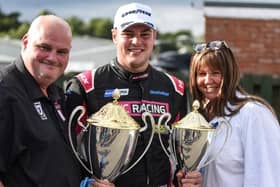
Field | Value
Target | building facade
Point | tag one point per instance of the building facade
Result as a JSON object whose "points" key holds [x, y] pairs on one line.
{"points": [[251, 28]]}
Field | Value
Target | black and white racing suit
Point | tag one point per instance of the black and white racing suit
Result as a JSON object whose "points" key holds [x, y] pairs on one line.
{"points": [[152, 91]]}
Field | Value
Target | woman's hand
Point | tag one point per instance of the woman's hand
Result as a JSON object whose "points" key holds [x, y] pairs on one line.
{"points": [[189, 179]]}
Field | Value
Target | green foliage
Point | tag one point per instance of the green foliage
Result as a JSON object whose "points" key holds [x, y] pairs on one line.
{"points": [[103, 28], [173, 36], [175, 41], [100, 27], [265, 86], [46, 12], [77, 25], [9, 21], [20, 31], [96, 27], [91, 27]]}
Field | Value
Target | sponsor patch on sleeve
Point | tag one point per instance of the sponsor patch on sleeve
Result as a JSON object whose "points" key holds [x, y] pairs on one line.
{"points": [[178, 84], [86, 78]]}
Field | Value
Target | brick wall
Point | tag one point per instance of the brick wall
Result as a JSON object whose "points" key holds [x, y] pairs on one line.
{"points": [[255, 42]]}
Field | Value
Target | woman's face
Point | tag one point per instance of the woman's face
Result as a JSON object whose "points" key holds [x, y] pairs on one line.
{"points": [[209, 82]]}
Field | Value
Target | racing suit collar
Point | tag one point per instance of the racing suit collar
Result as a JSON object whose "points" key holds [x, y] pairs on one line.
{"points": [[126, 75]]}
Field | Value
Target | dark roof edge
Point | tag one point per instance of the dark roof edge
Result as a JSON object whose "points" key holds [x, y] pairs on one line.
{"points": [[239, 4]]}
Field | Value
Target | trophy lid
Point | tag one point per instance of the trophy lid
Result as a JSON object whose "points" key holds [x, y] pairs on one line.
{"points": [[194, 120], [113, 115]]}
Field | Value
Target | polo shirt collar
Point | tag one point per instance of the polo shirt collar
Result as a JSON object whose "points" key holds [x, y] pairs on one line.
{"points": [[32, 87]]}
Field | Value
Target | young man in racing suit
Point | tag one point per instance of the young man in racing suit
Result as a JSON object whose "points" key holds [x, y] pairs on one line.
{"points": [[142, 89]]}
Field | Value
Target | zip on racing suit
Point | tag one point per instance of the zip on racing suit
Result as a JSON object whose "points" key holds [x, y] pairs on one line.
{"points": [[152, 91]]}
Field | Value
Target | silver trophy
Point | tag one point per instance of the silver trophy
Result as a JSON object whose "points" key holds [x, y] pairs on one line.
{"points": [[193, 141], [107, 144]]}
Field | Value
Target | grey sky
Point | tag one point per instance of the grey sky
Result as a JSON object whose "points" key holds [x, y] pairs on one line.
{"points": [[170, 15]]}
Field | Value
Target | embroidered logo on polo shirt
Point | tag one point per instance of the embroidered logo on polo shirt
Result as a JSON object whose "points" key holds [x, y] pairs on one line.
{"points": [[40, 111], [59, 111]]}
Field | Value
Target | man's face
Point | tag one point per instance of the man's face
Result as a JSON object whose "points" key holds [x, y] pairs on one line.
{"points": [[134, 46], [46, 54]]}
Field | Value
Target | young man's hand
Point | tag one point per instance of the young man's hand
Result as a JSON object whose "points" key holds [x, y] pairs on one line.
{"points": [[102, 183]]}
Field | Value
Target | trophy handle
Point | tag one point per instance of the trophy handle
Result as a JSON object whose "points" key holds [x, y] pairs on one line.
{"points": [[74, 112], [221, 121], [168, 116], [144, 116]]}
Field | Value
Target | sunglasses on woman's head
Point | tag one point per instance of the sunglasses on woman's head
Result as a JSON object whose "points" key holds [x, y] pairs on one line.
{"points": [[214, 45]]}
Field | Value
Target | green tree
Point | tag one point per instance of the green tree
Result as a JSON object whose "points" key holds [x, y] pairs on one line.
{"points": [[103, 28], [174, 35], [46, 12], [20, 31], [77, 25], [175, 40], [100, 27], [9, 21]]}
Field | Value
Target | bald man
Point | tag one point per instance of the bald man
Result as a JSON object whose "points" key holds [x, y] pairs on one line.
{"points": [[34, 149]]}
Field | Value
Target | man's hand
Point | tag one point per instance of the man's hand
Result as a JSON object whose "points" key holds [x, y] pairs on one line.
{"points": [[101, 183], [189, 179], [1, 184]]}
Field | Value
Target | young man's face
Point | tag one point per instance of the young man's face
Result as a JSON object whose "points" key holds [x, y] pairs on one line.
{"points": [[134, 46]]}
